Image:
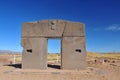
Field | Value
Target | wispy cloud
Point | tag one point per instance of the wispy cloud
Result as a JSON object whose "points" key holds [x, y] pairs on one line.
{"points": [[113, 28]]}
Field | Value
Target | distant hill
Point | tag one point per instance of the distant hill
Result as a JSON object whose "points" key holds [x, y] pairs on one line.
{"points": [[8, 52]]}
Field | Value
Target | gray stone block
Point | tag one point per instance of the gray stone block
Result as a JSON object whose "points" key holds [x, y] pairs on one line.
{"points": [[73, 53], [74, 29], [34, 43], [34, 54]]}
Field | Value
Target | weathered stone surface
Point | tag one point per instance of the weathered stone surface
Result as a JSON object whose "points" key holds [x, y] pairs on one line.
{"points": [[34, 53], [34, 43], [74, 29], [73, 53], [52, 28]]}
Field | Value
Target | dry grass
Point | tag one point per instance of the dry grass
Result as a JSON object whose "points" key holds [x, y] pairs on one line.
{"points": [[92, 54], [10, 57], [18, 57], [107, 55], [53, 57]]}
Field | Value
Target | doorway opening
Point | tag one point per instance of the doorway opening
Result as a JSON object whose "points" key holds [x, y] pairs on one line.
{"points": [[54, 53]]}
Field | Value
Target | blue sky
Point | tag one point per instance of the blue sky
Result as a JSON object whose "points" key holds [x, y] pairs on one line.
{"points": [[101, 18]]}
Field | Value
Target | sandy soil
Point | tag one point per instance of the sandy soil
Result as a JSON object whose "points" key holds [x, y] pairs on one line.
{"points": [[95, 72]]}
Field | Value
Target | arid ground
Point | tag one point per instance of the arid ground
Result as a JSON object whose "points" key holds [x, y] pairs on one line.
{"points": [[96, 69]]}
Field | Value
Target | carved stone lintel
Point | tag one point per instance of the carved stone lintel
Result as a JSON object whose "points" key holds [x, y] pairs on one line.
{"points": [[52, 25]]}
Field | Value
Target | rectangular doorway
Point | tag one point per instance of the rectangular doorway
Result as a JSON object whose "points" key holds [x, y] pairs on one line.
{"points": [[54, 53]]}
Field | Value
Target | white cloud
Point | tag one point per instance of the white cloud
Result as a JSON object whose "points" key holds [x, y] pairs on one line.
{"points": [[113, 28], [119, 28]]}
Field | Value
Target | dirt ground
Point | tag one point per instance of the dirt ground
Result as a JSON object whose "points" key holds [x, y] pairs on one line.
{"points": [[95, 72]]}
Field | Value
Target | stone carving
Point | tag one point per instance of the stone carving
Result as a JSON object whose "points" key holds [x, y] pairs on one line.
{"points": [[52, 25]]}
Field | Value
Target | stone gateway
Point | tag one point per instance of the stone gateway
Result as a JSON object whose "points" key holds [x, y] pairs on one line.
{"points": [[34, 43]]}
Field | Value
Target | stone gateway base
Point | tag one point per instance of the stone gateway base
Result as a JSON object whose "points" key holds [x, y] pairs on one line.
{"points": [[34, 43]]}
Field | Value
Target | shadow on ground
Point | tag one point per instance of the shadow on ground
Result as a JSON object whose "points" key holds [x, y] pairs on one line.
{"points": [[54, 66], [20, 66], [15, 65]]}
